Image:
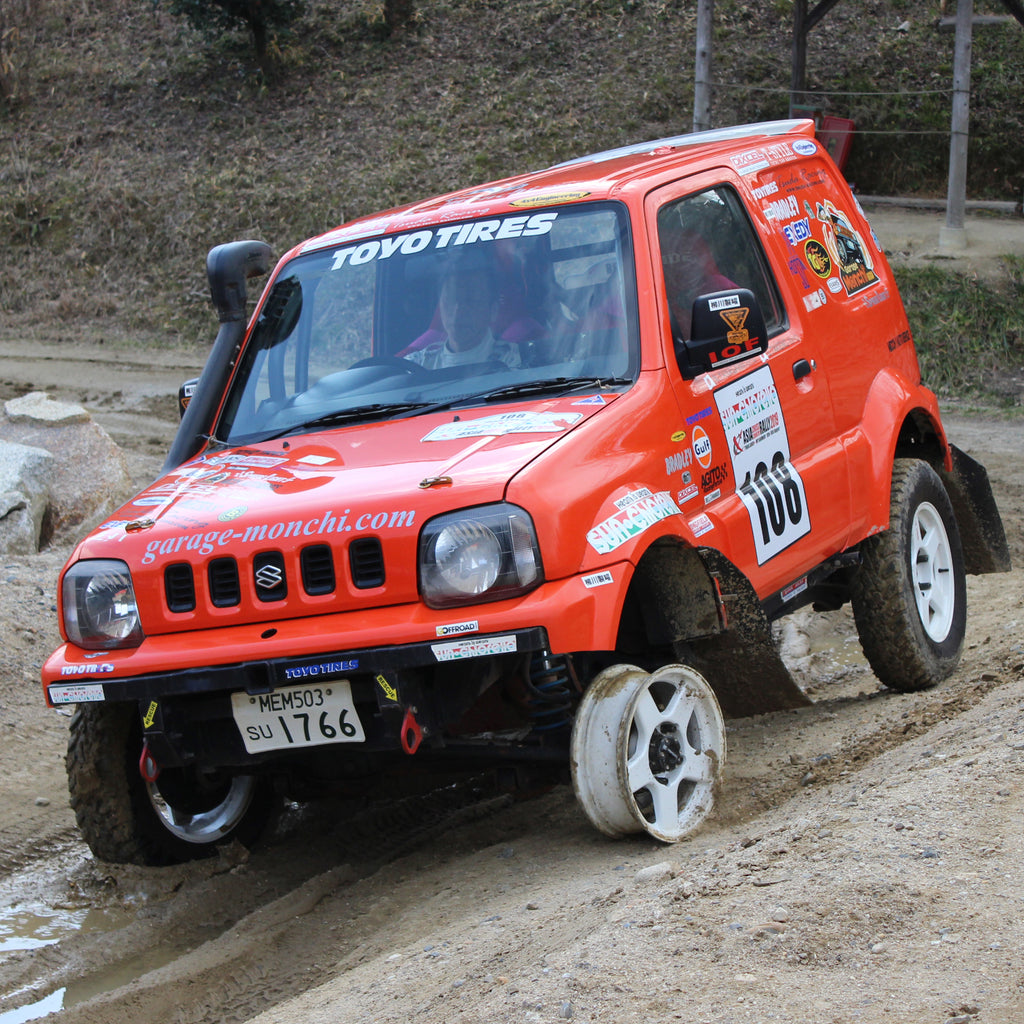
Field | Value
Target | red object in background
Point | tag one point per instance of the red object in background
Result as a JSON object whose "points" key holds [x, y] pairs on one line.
{"points": [[836, 135]]}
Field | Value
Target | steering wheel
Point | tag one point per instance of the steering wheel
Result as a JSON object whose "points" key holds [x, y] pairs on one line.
{"points": [[394, 362]]}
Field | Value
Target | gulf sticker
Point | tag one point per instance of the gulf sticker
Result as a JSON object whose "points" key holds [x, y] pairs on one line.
{"points": [[702, 446]]}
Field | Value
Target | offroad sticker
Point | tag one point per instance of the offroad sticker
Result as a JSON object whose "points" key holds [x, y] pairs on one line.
{"points": [[458, 628], [505, 423], [769, 484], [637, 511]]}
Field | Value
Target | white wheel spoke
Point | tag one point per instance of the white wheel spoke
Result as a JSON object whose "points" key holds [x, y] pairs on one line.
{"points": [[638, 770], [666, 804], [646, 718]]}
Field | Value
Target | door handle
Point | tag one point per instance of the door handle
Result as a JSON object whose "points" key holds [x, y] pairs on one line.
{"points": [[802, 367]]}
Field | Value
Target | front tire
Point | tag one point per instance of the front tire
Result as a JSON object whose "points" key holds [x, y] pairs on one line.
{"points": [[184, 815], [909, 595]]}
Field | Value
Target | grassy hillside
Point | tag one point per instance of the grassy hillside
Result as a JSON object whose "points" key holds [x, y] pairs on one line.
{"points": [[133, 146]]}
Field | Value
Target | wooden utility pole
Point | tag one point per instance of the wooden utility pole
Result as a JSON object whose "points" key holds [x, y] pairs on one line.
{"points": [[702, 66], [954, 234]]}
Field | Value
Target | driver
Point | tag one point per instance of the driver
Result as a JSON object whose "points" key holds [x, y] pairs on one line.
{"points": [[469, 302]]}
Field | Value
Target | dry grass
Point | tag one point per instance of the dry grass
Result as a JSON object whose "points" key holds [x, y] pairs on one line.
{"points": [[131, 146]]}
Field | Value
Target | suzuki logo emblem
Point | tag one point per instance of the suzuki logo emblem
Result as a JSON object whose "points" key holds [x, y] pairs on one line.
{"points": [[268, 577]]}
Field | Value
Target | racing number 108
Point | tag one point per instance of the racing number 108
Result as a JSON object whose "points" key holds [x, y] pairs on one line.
{"points": [[776, 497]]}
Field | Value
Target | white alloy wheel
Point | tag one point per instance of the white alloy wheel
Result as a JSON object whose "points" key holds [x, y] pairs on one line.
{"points": [[647, 751], [931, 562]]}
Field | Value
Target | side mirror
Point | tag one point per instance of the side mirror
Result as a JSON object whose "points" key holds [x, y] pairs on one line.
{"points": [[727, 326], [185, 393]]}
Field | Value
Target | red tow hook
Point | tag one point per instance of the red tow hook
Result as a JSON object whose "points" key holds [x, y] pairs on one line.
{"points": [[148, 768], [411, 733]]}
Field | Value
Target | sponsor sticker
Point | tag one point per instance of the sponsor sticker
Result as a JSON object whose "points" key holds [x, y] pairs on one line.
{"points": [[548, 199], [477, 648], [679, 435], [797, 587], [505, 423], [458, 628], [686, 494], [725, 302], [637, 511], [767, 482], [701, 446], [94, 668], [323, 668], [597, 579], [76, 693], [818, 258], [804, 147], [701, 524], [815, 300], [835, 285]]}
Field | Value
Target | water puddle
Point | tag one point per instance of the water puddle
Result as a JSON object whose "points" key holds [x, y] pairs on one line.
{"points": [[40, 908]]}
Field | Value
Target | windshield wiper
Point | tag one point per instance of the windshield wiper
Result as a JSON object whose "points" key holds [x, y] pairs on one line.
{"points": [[553, 385]]}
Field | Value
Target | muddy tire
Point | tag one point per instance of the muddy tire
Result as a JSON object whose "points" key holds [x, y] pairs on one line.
{"points": [[183, 816], [910, 595]]}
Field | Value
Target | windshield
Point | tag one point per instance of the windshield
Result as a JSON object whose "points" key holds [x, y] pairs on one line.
{"points": [[467, 311]]}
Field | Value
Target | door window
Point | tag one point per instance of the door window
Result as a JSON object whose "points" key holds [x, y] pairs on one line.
{"points": [[707, 245]]}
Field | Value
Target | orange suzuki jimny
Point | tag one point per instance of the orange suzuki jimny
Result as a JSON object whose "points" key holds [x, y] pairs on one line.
{"points": [[518, 478]]}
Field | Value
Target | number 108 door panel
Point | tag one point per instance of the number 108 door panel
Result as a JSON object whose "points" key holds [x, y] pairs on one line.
{"points": [[783, 505]]}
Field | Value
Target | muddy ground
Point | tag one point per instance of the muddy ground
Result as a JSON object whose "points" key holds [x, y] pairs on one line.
{"points": [[866, 863]]}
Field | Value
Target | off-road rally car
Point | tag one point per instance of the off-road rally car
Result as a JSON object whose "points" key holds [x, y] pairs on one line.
{"points": [[518, 479]]}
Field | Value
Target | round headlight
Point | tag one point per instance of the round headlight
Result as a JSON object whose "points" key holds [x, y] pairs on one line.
{"points": [[468, 557], [100, 611]]}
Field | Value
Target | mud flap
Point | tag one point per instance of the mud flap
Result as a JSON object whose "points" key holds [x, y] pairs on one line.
{"points": [[981, 529], [742, 664]]}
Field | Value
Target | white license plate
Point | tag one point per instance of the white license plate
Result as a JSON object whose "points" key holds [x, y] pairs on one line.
{"points": [[297, 716]]}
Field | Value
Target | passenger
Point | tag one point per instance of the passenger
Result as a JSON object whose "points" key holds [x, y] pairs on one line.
{"points": [[690, 270], [468, 305]]}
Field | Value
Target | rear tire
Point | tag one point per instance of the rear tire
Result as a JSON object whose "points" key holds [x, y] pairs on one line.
{"points": [[183, 815], [910, 594]]}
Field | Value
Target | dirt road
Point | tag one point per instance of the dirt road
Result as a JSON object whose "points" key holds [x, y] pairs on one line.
{"points": [[867, 863]]}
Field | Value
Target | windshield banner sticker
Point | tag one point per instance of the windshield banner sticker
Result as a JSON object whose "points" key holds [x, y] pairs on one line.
{"points": [[638, 511], [506, 423], [769, 483], [442, 238]]}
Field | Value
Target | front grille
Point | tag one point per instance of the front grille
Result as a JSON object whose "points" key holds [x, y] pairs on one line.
{"points": [[223, 578], [366, 562], [269, 576], [180, 587], [317, 569]]}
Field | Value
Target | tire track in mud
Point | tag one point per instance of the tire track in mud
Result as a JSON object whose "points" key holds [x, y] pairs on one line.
{"points": [[240, 970]]}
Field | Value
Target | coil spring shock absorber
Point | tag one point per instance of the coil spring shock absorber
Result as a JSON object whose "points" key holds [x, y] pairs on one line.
{"points": [[552, 688]]}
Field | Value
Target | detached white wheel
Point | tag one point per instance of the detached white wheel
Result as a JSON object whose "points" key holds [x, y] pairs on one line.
{"points": [[647, 751]]}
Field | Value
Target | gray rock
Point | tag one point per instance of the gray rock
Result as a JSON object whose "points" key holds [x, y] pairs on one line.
{"points": [[37, 407], [25, 474], [654, 874], [88, 477]]}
